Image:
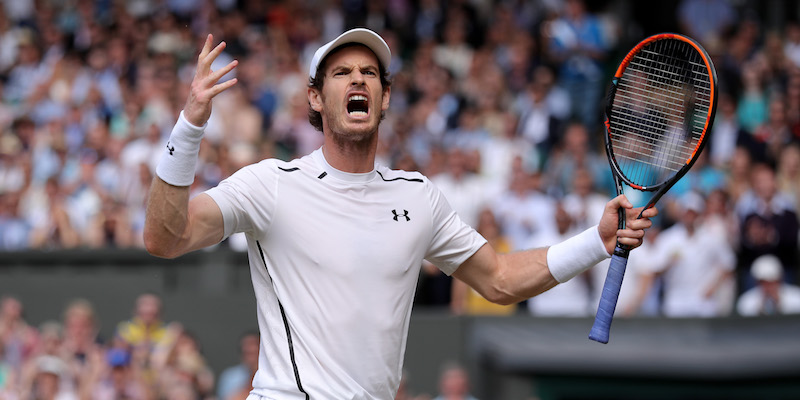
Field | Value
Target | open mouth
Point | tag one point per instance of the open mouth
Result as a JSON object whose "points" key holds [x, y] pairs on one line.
{"points": [[357, 106]]}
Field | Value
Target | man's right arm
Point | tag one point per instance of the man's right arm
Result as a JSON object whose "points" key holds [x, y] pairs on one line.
{"points": [[173, 224]]}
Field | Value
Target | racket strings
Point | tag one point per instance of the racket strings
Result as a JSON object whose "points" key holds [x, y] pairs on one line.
{"points": [[659, 111]]}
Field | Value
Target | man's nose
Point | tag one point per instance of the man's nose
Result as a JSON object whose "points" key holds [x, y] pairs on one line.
{"points": [[358, 78]]}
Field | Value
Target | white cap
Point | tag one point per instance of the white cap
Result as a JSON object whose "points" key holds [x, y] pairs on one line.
{"points": [[358, 35], [47, 364], [767, 268], [692, 201]]}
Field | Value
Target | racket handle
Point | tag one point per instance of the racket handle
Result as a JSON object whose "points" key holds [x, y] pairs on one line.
{"points": [[608, 299]]}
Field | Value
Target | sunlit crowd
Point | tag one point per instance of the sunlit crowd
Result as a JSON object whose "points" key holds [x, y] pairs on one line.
{"points": [[498, 102]]}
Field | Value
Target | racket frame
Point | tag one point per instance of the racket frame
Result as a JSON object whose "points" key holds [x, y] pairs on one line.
{"points": [[617, 170], [602, 325]]}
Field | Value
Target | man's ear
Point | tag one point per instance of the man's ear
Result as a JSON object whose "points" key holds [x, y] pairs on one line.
{"points": [[386, 95], [315, 99]]}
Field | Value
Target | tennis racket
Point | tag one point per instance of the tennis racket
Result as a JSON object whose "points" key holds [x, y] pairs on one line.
{"points": [[659, 112]]}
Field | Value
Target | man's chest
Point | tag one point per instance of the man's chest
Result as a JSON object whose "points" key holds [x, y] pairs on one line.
{"points": [[345, 228]]}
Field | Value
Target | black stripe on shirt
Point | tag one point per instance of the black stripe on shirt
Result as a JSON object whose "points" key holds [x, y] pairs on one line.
{"points": [[289, 169], [285, 324], [398, 178]]}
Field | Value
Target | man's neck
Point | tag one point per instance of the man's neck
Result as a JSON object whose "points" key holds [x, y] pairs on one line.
{"points": [[350, 156]]}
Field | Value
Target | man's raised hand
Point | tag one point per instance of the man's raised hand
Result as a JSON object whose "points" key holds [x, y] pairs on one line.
{"points": [[204, 85]]}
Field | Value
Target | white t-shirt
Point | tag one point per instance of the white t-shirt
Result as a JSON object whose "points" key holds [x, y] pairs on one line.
{"points": [[692, 264], [751, 302], [467, 196], [334, 259]]}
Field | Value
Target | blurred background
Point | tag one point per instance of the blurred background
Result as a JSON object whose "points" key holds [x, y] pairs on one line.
{"points": [[498, 102]]}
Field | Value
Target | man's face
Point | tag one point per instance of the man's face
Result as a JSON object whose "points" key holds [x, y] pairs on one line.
{"points": [[352, 98], [148, 309]]}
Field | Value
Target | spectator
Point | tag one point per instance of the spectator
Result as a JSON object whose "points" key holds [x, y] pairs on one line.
{"points": [[538, 121], [145, 329], [45, 209], [791, 46], [788, 173], [464, 299], [697, 266], [238, 379], [113, 376], [574, 152], [771, 296], [640, 294], [523, 210], [464, 190], [720, 219], [769, 225], [584, 203], [8, 378], [15, 231], [454, 54], [702, 178], [706, 20], [454, 383], [178, 363], [752, 108], [12, 163], [577, 43], [45, 380], [237, 119], [81, 332], [726, 133], [403, 392], [17, 338], [739, 174], [29, 72], [110, 227], [774, 134], [568, 299]]}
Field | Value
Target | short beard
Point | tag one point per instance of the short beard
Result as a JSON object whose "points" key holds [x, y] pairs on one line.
{"points": [[358, 139]]}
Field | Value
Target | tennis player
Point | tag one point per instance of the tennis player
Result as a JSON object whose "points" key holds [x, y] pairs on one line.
{"points": [[335, 242]]}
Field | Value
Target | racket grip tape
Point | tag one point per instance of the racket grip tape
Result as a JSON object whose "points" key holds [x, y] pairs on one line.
{"points": [[608, 299]]}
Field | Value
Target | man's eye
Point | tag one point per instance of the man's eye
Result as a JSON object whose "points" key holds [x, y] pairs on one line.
{"points": [[340, 73], [372, 73]]}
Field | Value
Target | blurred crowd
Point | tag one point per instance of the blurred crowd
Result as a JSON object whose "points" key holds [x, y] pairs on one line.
{"points": [[145, 358], [498, 102]]}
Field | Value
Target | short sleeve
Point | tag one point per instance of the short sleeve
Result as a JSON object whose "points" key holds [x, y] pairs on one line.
{"points": [[453, 241], [247, 198]]}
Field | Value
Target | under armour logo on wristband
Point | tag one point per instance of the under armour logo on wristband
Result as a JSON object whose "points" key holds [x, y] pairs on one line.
{"points": [[405, 214], [171, 149]]}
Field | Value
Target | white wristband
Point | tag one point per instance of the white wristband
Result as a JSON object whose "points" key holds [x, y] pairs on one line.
{"points": [[177, 164], [577, 254]]}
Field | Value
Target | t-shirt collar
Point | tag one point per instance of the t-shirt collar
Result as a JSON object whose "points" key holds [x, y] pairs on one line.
{"points": [[319, 158]]}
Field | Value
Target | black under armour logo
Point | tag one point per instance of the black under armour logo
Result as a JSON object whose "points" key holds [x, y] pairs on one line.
{"points": [[171, 149], [405, 214]]}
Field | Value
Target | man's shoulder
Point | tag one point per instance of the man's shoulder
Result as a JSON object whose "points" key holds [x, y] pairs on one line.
{"points": [[399, 175], [274, 166]]}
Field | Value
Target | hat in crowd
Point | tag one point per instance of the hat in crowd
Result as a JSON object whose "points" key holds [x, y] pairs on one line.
{"points": [[48, 364], [358, 35], [118, 357], [692, 201], [767, 268]]}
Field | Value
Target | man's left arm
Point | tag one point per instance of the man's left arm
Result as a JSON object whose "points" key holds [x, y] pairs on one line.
{"points": [[511, 278]]}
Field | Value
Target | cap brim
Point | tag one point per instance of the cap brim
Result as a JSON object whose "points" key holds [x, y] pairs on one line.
{"points": [[362, 36]]}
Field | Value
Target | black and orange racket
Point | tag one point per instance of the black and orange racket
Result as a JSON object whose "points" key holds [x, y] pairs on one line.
{"points": [[659, 113]]}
